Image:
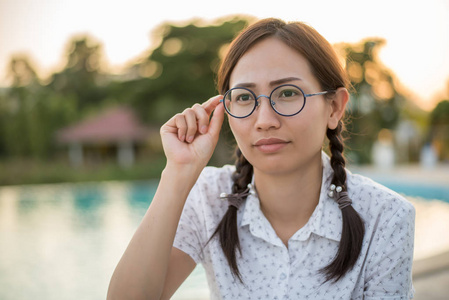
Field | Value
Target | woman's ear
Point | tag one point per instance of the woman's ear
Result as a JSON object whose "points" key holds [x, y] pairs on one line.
{"points": [[338, 106]]}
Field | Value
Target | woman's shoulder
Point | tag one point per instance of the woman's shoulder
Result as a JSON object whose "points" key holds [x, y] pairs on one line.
{"points": [[216, 177], [204, 203], [373, 199], [211, 172], [211, 183]]}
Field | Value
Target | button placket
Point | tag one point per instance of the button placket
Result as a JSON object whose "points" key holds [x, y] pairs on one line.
{"points": [[283, 272]]}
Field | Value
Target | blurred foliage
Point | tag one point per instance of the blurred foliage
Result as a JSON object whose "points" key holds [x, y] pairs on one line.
{"points": [[21, 71], [30, 171], [375, 102], [81, 78], [180, 71], [439, 129], [30, 113], [177, 72]]}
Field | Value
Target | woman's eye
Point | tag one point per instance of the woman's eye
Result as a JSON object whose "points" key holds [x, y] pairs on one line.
{"points": [[244, 97], [288, 93]]}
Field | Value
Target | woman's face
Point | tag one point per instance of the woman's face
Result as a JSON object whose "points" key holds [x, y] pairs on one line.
{"points": [[270, 142]]}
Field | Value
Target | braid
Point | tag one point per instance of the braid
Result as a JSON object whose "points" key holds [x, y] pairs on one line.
{"points": [[337, 160], [353, 228], [227, 228], [243, 173]]}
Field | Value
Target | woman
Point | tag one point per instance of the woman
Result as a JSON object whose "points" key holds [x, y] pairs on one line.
{"points": [[287, 222]]}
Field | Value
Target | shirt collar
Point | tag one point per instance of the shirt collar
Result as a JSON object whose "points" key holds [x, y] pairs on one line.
{"points": [[325, 221]]}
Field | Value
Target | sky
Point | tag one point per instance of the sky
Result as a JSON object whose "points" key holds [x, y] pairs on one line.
{"points": [[416, 32]]}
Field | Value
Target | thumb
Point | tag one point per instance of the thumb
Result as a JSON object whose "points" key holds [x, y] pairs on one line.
{"points": [[216, 120]]}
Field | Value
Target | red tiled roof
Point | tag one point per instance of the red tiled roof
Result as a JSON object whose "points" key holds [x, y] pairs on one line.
{"points": [[114, 125]]}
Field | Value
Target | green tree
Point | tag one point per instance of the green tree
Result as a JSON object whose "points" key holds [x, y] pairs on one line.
{"points": [[30, 113], [439, 128], [81, 77], [21, 71], [181, 70], [15, 107], [375, 101]]}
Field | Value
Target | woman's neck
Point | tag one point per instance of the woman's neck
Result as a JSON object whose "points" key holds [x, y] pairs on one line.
{"points": [[288, 200]]}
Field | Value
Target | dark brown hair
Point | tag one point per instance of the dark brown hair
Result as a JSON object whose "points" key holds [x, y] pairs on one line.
{"points": [[326, 67]]}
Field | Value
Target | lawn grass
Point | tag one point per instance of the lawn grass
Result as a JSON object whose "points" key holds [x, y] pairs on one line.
{"points": [[26, 171]]}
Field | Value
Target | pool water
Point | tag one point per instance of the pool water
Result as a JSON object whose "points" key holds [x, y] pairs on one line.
{"points": [[412, 180], [429, 191], [64, 241]]}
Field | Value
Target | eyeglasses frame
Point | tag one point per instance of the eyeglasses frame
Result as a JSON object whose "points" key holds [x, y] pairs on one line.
{"points": [[272, 103]]}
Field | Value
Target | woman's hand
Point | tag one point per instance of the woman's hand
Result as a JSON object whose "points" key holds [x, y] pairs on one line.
{"points": [[189, 137]]}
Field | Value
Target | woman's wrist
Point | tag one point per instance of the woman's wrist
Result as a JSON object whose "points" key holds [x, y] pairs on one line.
{"points": [[181, 176]]}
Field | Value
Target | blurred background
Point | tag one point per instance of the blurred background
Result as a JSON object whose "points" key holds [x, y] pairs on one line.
{"points": [[86, 85]]}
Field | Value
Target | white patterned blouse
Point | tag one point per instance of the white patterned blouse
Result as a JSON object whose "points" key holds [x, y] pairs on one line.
{"points": [[270, 270]]}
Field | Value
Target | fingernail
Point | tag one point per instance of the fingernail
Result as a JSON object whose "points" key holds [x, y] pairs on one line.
{"points": [[189, 139], [182, 138], [203, 129]]}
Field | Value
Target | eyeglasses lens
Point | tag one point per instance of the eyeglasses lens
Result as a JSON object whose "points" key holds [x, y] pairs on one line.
{"points": [[286, 100], [240, 102]]}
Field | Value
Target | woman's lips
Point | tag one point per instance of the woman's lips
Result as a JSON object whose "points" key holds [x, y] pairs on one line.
{"points": [[270, 145]]}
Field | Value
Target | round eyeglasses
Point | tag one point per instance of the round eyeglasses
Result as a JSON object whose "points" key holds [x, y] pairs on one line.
{"points": [[287, 100]]}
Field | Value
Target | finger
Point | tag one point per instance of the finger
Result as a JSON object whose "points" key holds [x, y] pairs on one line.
{"points": [[170, 126], [202, 118], [181, 124], [192, 127], [211, 104], [216, 121]]}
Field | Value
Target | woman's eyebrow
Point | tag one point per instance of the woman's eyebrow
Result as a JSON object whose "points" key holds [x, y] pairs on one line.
{"points": [[272, 83], [245, 85], [283, 80]]}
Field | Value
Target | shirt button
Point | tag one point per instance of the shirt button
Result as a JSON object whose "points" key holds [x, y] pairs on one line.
{"points": [[283, 276]]}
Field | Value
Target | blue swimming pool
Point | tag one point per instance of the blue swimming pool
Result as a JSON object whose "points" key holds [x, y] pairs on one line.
{"points": [[63, 241], [427, 191]]}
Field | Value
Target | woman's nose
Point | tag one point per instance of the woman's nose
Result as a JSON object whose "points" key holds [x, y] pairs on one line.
{"points": [[266, 117]]}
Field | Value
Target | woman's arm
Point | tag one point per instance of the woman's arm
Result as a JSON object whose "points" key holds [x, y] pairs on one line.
{"points": [[150, 266]]}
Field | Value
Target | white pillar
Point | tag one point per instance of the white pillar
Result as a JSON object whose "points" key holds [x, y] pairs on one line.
{"points": [[76, 154], [125, 154]]}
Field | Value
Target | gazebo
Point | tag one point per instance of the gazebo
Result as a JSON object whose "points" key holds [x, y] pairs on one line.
{"points": [[117, 130]]}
